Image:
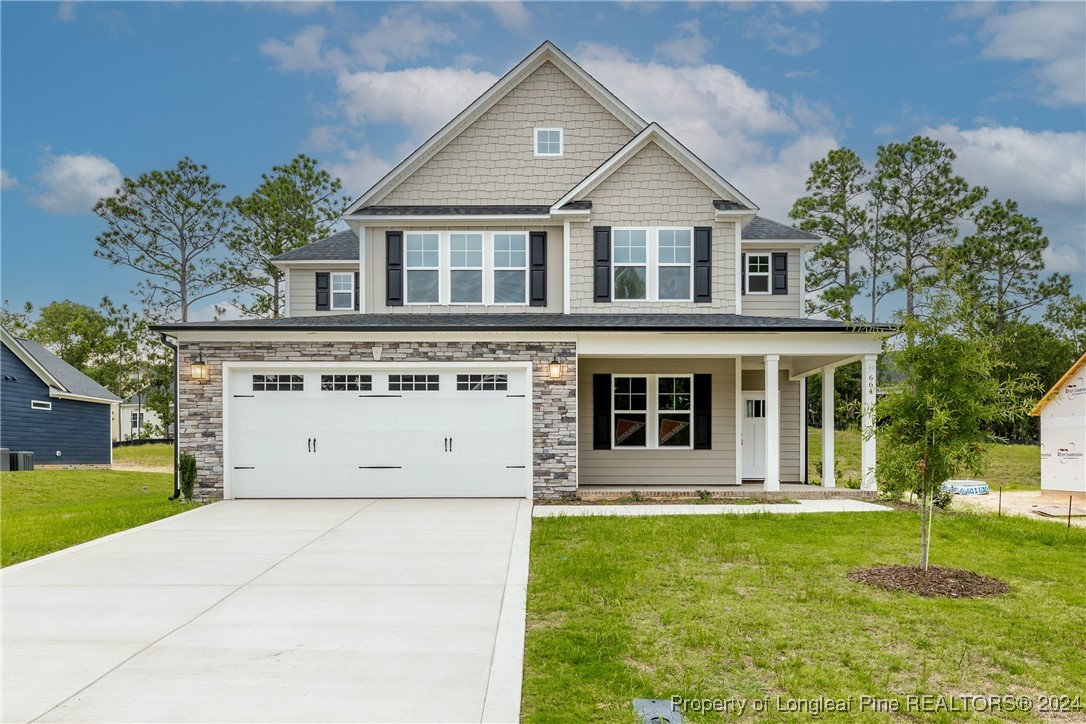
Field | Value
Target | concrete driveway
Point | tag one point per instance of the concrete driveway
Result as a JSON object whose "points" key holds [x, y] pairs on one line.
{"points": [[270, 611]]}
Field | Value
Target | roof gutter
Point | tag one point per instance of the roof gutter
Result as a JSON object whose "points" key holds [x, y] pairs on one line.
{"points": [[176, 414], [198, 327], [446, 217]]}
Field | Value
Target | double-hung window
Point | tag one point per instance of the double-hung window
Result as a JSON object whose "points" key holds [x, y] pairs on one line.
{"points": [[758, 274], [674, 268], [653, 411], [136, 421], [423, 268], [631, 263], [653, 264], [465, 268], [342, 290], [510, 268]]}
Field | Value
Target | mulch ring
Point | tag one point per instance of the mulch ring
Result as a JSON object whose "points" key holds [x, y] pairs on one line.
{"points": [[935, 582]]}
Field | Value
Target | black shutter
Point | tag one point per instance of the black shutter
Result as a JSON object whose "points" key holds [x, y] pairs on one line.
{"points": [[357, 286], [601, 412], [394, 268], [537, 244], [323, 296], [743, 273], [703, 243], [703, 412], [780, 273], [601, 240]]}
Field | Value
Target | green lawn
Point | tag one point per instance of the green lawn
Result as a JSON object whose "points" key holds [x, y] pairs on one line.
{"points": [[47, 510], [754, 606], [1015, 467], [157, 455]]}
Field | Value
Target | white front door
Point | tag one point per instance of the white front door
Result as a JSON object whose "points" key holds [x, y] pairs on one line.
{"points": [[310, 431], [753, 455]]}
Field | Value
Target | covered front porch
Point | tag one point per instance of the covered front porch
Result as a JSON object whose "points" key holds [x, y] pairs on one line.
{"points": [[673, 414]]}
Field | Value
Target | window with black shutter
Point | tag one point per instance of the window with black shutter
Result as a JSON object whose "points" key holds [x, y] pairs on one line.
{"points": [[323, 291], [537, 242], [601, 238], [394, 268], [780, 272], [703, 244]]}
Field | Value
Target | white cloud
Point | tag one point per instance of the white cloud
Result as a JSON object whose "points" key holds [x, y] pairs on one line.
{"points": [[395, 96], [687, 45], [731, 125], [294, 7], [783, 38], [359, 169], [72, 184], [1064, 258], [214, 311], [1036, 168], [303, 52], [512, 14], [66, 12], [1053, 36], [808, 6], [7, 181]]}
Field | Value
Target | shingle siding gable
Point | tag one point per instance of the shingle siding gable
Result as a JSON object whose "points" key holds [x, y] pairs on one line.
{"points": [[492, 161]]}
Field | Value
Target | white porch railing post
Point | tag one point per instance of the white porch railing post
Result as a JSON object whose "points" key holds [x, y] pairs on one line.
{"points": [[867, 458], [772, 423], [739, 420], [829, 478]]}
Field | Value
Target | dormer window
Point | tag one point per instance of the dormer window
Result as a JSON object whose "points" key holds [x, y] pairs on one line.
{"points": [[548, 142]]}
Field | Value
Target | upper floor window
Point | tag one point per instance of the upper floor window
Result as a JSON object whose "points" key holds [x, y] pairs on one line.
{"points": [[342, 290], [423, 268], [467, 267], [758, 273], [653, 264], [548, 142]]}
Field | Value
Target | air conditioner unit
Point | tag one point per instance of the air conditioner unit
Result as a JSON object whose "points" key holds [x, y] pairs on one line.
{"points": [[22, 460], [5, 460]]}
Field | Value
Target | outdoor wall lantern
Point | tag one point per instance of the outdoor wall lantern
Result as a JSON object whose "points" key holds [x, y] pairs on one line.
{"points": [[555, 369], [199, 369]]}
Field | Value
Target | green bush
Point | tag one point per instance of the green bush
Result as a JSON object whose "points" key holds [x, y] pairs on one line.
{"points": [[187, 470]]}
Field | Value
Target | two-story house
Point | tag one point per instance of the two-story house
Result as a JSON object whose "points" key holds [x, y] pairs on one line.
{"points": [[550, 294]]}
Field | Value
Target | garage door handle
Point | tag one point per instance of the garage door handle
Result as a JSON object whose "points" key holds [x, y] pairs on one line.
{"points": [[450, 444], [314, 444], [309, 444]]}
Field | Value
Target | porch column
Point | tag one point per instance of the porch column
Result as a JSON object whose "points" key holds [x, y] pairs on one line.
{"points": [[828, 477], [739, 412], [772, 423], [867, 425]]}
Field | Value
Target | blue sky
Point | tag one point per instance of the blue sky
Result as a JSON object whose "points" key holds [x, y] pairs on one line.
{"points": [[94, 91]]}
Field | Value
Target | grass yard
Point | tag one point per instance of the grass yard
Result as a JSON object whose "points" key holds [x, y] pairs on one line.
{"points": [[158, 455], [47, 510], [753, 606], [1015, 467]]}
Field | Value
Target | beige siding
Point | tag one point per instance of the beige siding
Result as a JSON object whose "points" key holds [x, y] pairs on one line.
{"points": [[660, 467], [374, 274], [778, 305], [791, 422], [493, 161], [653, 189], [303, 289]]}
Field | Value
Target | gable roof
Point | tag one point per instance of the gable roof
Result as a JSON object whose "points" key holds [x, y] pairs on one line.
{"points": [[655, 133], [1055, 391], [547, 52], [763, 228], [341, 246], [65, 380]]}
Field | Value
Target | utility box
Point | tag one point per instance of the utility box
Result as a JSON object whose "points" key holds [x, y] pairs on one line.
{"points": [[22, 460], [5, 460]]}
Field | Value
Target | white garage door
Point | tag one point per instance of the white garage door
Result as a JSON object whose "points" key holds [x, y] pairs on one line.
{"points": [[309, 432]]}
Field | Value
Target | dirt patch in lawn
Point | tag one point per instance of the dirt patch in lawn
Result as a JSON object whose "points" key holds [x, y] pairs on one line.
{"points": [[937, 581]]}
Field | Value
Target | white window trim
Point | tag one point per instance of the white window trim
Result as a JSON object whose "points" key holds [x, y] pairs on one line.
{"points": [[768, 274], [41, 405], [332, 290], [446, 273], [561, 143], [444, 270], [652, 263], [652, 424]]}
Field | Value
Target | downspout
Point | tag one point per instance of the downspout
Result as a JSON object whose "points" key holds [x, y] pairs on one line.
{"points": [[176, 415]]}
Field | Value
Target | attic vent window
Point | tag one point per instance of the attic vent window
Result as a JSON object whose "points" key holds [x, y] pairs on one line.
{"points": [[548, 142]]}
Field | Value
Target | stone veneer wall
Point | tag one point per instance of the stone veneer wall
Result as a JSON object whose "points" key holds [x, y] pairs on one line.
{"points": [[554, 402]]}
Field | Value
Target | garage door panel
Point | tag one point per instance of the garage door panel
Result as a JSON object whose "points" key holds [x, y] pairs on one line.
{"points": [[469, 437]]}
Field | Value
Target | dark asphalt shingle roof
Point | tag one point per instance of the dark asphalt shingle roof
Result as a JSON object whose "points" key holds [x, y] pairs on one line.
{"points": [[763, 228], [526, 322], [721, 205], [500, 210], [342, 246], [72, 379]]}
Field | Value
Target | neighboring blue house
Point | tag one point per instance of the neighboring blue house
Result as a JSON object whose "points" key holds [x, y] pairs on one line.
{"points": [[51, 408]]}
